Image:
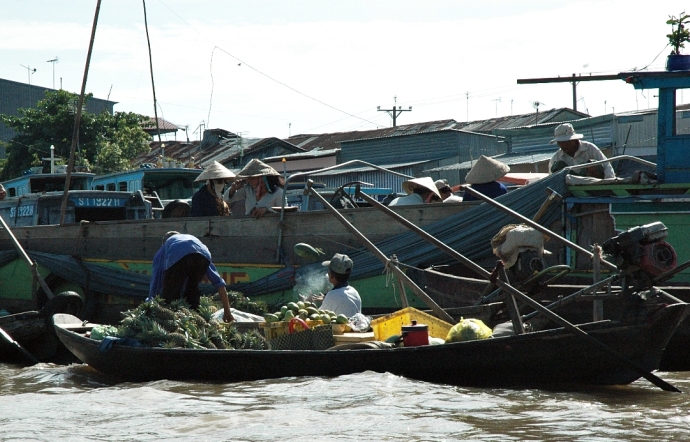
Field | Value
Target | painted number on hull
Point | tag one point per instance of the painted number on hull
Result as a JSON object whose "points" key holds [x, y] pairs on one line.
{"points": [[98, 202], [21, 211]]}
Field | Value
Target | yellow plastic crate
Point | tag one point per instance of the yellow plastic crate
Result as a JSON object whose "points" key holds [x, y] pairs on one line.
{"points": [[391, 324], [274, 329]]}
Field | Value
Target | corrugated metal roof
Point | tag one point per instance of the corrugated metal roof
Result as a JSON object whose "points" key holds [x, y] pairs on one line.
{"points": [[367, 168], [316, 153], [511, 159]]}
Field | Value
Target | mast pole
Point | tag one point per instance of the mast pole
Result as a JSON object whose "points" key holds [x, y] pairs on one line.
{"points": [[77, 118]]}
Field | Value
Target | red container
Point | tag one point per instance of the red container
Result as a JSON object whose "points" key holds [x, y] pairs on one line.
{"points": [[415, 334]]}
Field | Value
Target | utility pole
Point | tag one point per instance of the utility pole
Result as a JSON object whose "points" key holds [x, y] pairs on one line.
{"points": [[29, 72], [54, 60], [394, 112], [573, 80]]}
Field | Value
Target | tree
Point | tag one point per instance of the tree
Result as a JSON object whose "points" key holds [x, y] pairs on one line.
{"points": [[106, 141]]}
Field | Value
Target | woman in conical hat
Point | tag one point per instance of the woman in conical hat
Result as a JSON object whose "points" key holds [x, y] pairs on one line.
{"points": [[483, 178], [208, 200], [419, 191], [260, 186]]}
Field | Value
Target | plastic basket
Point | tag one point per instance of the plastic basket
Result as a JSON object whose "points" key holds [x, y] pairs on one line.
{"points": [[391, 324], [274, 329], [317, 338]]}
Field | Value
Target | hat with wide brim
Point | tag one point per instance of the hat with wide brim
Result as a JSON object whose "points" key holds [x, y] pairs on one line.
{"points": [[215, 171], [565, 132], [485, 170], [257, 168], [424, 182]]}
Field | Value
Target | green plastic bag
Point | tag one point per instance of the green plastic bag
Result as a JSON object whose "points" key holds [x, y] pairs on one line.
{"points": [[98, 332], [468, 330]]}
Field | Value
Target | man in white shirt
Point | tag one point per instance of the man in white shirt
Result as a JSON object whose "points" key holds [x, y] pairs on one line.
{"points": [[573, 152], [343, 299]]}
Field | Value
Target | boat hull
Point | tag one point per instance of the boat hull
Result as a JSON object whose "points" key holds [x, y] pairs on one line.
{"points": [[550, 357]]}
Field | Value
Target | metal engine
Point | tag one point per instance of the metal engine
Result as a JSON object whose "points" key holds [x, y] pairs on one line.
{"points": [[641, 253], [527, 265]]}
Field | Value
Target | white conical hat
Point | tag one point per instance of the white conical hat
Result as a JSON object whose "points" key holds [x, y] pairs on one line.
{"points": [[215, 171], [425, 182], [257, 168], [485, 170]]}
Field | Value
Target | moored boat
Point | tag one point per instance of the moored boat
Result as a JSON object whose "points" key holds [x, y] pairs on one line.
{"points": [[544, 358]]}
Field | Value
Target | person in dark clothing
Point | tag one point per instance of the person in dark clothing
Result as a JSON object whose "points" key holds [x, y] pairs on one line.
{"points": [[208, 200], [483, 178]]}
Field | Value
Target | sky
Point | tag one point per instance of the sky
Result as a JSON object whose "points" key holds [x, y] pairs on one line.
{"points": [[286, 67]]}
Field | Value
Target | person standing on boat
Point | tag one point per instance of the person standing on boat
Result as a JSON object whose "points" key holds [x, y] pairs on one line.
{"points": [[419, 191], [573, 152], [343, 299], [446, 192], [208, 200], [178, 267], [260, 186], [3, 192], [483, 177]]}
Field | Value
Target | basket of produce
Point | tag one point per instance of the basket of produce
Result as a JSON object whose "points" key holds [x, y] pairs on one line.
{"points": [[302, 337]]}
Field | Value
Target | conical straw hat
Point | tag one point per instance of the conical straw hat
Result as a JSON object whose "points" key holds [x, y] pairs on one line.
{"points": [[425, 182], [257, 168], [485, 170], [215, 171]]}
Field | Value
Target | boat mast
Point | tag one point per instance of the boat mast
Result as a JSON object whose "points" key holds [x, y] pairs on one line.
{"points": [[77, 118], [153, 86]]}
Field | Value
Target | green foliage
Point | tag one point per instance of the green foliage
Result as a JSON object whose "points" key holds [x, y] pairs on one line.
{"points": [[680, 34], [106, 141]]}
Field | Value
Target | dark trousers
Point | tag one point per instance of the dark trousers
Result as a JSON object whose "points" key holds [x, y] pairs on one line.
{"points": [[183, 278]]}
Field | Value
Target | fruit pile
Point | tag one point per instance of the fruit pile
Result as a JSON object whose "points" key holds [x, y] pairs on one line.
{"points": [[306, 311], [175, 325]]}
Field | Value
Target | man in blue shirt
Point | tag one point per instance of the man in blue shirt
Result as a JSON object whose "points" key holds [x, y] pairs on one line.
{"points": [[178, 267], [484, 177]]}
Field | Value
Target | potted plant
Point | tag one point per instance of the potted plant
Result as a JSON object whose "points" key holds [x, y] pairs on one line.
{"points": [[679, 35]]}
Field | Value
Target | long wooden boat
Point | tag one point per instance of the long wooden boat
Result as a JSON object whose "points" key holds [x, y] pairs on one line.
{"points": [[542, 358]]}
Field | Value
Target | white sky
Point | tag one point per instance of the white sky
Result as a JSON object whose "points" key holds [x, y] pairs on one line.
{"points": [[316, 66]]}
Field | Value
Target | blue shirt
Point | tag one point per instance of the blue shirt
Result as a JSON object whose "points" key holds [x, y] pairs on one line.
{"points": [[175, 248], [492, 189]]}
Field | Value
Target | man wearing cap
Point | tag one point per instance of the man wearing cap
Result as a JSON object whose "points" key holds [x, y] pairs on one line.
{"points": [[3, 192], [419, 191], [446, 192], [483, 177], [260, 186], [178, 267], [208, 200], [573, 152], [343, 299]]}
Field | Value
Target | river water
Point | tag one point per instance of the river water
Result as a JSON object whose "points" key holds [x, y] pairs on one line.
{"points": [[75, 403]]}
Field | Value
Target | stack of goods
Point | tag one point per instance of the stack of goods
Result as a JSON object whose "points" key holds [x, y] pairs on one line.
{"points": [[306, 311], [176, 325]]}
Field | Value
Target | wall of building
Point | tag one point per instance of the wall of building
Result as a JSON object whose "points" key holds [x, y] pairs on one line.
{"points": [[15, 96]]}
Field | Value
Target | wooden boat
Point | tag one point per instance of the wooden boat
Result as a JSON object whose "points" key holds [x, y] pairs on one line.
{"points": [[32, 332], [544, 358]]}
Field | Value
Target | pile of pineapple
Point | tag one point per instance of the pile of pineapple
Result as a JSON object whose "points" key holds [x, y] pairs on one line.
{"points": [[158, 324]]}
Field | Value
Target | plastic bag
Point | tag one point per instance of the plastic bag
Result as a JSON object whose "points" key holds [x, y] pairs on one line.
{"points": [[359, 323], [468, 330], [99, 332]]}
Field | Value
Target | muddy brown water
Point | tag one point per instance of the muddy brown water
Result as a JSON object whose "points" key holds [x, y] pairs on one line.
{"points": [[52, 402]]}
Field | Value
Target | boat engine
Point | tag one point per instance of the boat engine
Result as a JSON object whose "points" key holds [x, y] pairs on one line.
{"points": [[641, 253]]}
